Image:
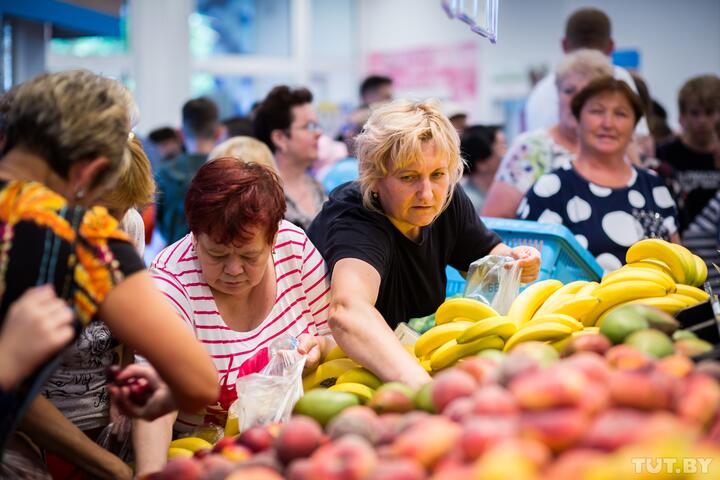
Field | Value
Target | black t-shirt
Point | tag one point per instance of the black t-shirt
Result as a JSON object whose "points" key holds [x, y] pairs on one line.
{"points": [[412, 273], [696, 175]]}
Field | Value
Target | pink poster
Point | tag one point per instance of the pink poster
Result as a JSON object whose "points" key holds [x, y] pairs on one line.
{"points": [[446, 72]]}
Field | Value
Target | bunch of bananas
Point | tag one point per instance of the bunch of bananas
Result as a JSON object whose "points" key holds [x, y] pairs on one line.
{"points": [[658, 273], [340, 373]]}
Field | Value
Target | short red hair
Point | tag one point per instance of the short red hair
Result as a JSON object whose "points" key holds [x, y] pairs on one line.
{"points": [[228, 197]]}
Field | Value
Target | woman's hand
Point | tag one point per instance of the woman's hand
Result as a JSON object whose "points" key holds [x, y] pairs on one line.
{"points": [[310, 346], [138, 392], [38, 315], [529, 260]]}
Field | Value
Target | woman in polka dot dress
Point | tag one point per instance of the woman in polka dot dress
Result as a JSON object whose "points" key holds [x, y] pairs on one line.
{"points": [[606, 202]]}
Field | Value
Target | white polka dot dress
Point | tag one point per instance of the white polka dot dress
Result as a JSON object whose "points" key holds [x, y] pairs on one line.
{"points": [[604, 220]]}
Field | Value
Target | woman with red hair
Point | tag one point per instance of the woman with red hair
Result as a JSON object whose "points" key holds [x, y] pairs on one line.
{"points": [[241, 278]]}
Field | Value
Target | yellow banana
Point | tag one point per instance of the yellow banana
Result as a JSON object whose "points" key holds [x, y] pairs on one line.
{"points": [[359, 375], [700, 271], [651, 264], [174, 452], [451, 352], [439, 335], [473, 310], [425, 363], [327, 373], [545, 332], [697, 293], [193, 444], [686, 299], [621, 292], [335, 353], [588, 289], [363, 392], [561, 295], [625, 274], [690, 268], [528, 302], [653, 248], [501, 326], [576, 307], [567, 320]]}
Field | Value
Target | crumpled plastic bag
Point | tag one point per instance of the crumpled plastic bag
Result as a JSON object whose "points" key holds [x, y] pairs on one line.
{"points": [[492, 282], [116, 437], [269, 396]]}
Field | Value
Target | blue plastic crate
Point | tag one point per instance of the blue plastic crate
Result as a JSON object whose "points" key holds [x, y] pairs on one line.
{"points": [[563, 258]]}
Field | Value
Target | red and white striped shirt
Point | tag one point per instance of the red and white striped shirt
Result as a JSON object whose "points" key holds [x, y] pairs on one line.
{"points": [[301, 306]]}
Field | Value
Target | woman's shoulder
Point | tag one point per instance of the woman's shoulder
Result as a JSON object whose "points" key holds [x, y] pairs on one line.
{"points": [[289, 232]]}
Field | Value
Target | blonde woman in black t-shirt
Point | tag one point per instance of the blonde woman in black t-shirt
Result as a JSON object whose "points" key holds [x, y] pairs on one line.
{"points": [[389, 236]]}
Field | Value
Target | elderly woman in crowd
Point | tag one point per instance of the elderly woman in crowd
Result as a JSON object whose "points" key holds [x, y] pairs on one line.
{"points": [[605, 201], [540, 151], [65, 144], [246, 149], [242, 277], [388, 237]]}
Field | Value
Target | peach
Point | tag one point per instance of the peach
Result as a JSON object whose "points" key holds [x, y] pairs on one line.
{"points": [[698, 399], [483, 431], [449, 385], [455, 472], [348, 458], [594, 398], [615, 428], [236, 453], [535, 451], [710, 368], [625, 357], [423, 398], [299, 469], [256, 439], [675, 365], [392, 397], [356, 420], [255, 473], [502, 464], [558, 428], [713, 435], [398, 469], [183, 468], [558, 386], [411, 419], [222, 443], [544, 354], [428, 440], [494, 400], [574, 464], [590, 342], [216, 467], [644, 390], [459, 409], [298, 439], [483, 370], [388, 426], [593, 365]]}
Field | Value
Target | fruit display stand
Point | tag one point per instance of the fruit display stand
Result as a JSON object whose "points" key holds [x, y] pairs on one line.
{"points": [[563, 258], [581, 380]]}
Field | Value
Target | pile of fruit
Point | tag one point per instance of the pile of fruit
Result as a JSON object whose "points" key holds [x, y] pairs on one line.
{"points": [[526, 414], [502, 403]]}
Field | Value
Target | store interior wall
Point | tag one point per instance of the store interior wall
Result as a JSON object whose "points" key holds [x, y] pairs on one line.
{"points": [[676, 40]]}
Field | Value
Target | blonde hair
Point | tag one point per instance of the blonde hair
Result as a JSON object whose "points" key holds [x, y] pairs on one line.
{"points": [[393, 138], [245, 149], [135, 187], [588, 63]]}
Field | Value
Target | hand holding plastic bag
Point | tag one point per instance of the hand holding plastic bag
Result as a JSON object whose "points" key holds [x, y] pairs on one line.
{"points": [[495, 281], [269, 396]]}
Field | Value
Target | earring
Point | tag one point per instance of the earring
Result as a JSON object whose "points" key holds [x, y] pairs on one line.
{"points": [[80, 194], [374, 195]]}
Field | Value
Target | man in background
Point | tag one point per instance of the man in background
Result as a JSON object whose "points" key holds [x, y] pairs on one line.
{"points": [[375, 89], [585, 28], [201, 130]]}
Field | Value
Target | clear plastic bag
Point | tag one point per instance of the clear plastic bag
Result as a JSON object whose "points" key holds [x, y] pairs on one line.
{"points": [[269, 396], [491, 281], [116, 437]]}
